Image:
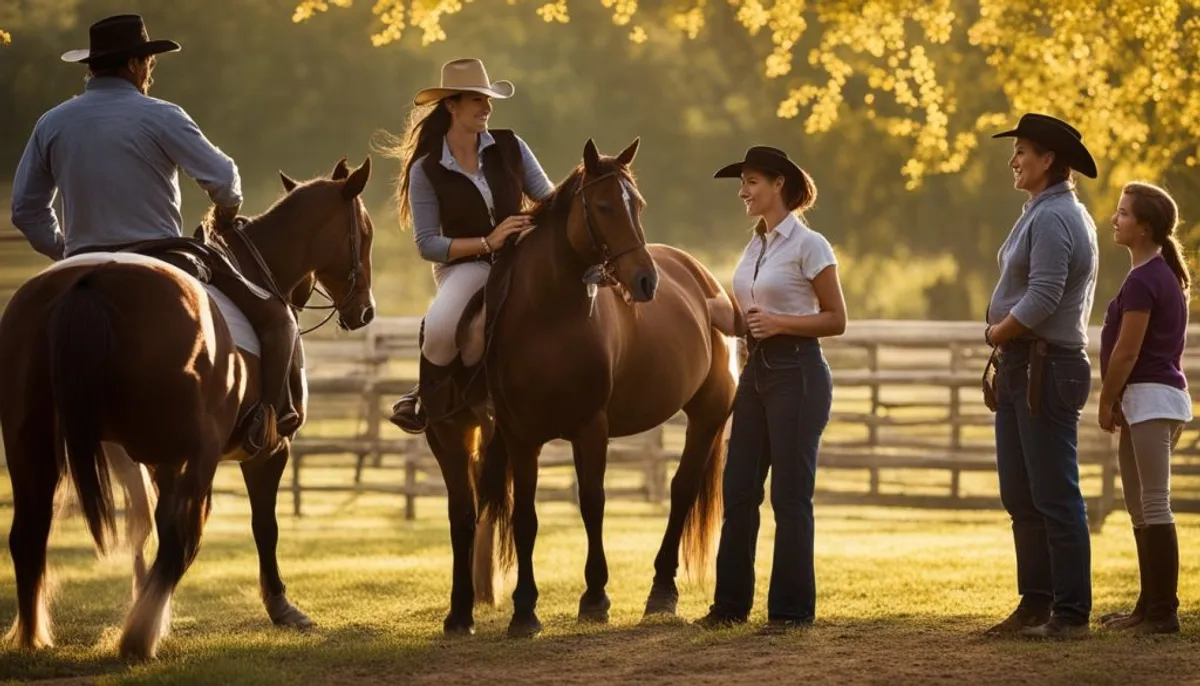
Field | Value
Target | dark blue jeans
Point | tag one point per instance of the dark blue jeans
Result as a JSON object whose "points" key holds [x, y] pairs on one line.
{"points": [[1038, 465], [781, 408]]}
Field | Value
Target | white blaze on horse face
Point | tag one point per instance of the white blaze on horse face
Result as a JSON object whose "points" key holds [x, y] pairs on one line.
{"points": [[627, 195]]}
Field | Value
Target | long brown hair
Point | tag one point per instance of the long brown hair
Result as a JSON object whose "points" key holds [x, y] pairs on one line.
{"points": [[1154, 208], [423, 133]]}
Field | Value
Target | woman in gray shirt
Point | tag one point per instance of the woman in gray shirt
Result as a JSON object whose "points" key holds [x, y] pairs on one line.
{"points": [[462, 188], [1037, 321]]}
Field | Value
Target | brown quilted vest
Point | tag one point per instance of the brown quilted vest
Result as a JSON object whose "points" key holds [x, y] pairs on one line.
{"points": [[464, 214]]}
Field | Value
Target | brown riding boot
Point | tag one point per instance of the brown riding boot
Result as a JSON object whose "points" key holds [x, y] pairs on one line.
{"points": [[409, 412], [1128, 620], [1162, 595]]}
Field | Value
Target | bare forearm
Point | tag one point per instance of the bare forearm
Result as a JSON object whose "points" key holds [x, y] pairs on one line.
{"points": [[817, 325], [1005, 331], [1119, 368], [466, 247]]}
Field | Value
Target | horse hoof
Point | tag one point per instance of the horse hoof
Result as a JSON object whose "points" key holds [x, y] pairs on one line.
{"points": [[661, 602], [284, 614], [528, 627], [595, 611], [458, 628]]}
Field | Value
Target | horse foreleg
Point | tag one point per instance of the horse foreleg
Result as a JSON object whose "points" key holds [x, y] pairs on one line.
{"points": [[262, 485], [590, 449], [183, 504]]}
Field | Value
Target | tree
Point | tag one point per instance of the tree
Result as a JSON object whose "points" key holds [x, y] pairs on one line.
{"points": [[1117, 69]]}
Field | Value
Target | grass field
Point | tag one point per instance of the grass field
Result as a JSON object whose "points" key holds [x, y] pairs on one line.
{"points": [[902, 596]]}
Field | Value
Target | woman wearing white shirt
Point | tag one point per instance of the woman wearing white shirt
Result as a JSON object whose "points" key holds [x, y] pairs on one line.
{"points": [[787, 288]]}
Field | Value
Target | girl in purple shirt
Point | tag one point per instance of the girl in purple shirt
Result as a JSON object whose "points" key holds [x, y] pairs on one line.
{"points": [[1145, 393]]}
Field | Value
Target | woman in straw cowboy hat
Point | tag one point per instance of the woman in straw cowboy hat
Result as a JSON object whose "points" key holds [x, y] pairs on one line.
{"points": [[461, 188], [787, 287], [1037, 320]]}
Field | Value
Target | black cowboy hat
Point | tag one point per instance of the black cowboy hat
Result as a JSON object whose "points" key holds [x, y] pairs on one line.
{"points": [[120, 35], [764, 158], [1057, 135]]}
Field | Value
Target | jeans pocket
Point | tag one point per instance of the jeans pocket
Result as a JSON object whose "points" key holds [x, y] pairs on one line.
{"points": [[1072, 382], [782, 357]]}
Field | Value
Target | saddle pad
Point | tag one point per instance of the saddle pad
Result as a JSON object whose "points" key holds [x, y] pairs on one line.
{"points": [[243, 333]]}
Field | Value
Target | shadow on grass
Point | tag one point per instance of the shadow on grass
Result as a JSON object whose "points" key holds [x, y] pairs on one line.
{"points": [[932, 647]]}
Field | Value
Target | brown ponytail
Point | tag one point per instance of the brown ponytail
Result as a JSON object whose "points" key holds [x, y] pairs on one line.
{"points": [[1155, 209]]}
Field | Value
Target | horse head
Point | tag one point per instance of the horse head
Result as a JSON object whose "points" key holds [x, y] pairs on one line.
{"points": [[338, 252], [605, 222]]}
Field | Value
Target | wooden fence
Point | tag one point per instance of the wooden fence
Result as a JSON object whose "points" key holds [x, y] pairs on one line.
{"points": [[908, 419]]}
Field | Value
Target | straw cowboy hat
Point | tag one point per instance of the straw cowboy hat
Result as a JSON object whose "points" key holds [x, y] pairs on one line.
{"points": [[1057, 135], [120, 35], [464, 76]]}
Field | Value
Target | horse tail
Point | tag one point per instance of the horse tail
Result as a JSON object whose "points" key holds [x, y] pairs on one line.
{"points": [[495, 497], [704, 517], [81, 342]]}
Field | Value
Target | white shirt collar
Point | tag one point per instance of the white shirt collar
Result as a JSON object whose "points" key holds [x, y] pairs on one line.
{"points": [[486, 139]]}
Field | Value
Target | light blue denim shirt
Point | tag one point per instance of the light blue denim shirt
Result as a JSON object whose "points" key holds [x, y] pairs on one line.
{"points": [[1048, 268], [427, 221], [115, 155]]}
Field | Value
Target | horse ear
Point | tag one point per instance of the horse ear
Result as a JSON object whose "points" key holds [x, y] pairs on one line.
{"points": [[591, 158], [289, 184], [357, 180], [627, 155], [340, 170]]}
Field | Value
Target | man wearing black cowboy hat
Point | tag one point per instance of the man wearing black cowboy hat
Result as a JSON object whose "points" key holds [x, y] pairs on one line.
{"points": [[1037, 321], [114, 153]]}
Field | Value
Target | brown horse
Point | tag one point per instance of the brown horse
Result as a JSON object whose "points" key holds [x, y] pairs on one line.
{"points": [[125, 351], [568, 360]]}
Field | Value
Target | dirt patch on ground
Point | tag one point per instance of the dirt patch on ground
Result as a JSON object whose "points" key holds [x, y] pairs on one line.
{"points": [[826, 654]]}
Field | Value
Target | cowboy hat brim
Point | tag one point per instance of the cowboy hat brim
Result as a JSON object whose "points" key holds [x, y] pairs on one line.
{"points": [[1077, 155], [501, 90], [781, 166], [153, 47]]}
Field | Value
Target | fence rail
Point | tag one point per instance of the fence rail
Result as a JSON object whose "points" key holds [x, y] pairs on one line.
{"points": [[907, 401]]}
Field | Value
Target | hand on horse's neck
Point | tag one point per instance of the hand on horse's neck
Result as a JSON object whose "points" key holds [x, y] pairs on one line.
{"points": [[464, 146]]}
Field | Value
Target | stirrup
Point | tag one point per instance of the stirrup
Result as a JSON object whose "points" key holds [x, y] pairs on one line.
{"points": [[414, 421]]}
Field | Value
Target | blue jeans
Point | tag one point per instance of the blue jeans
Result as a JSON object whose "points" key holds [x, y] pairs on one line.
{"points": [[1038, 465], [781, 408]]}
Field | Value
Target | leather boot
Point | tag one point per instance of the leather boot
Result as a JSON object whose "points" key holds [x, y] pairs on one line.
{"points": [[1162, 596], [1128, 620]]}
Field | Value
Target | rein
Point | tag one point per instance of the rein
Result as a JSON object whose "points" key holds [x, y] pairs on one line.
{"points": [[355, 239]]}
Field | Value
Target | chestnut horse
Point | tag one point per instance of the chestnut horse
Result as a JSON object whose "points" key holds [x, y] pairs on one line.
{"points": [[126, 352], [566, 359]]}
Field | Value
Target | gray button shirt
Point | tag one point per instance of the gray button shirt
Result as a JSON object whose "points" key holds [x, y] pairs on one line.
{"points": [[1048, 269], [426, 216], [115, 155]]}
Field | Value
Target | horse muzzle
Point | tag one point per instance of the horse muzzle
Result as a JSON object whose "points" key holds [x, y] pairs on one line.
{"points": [[364, 317]]}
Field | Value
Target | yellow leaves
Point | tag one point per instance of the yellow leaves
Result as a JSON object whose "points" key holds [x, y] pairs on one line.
{"points": [[1120, 70], [307, 8], [623, 10], [555, 11], [5, 38], [690, 22]]}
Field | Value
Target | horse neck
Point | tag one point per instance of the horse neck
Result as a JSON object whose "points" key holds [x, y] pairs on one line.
{"points": [[552, 271], [283, 239]]}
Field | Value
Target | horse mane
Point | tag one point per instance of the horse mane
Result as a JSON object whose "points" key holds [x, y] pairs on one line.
{"points": [[282, 210], [558, 203]]}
